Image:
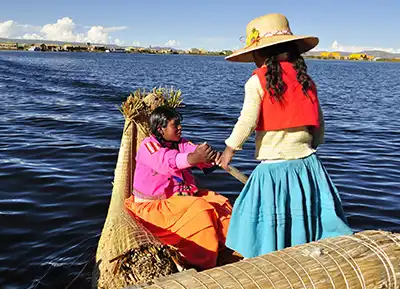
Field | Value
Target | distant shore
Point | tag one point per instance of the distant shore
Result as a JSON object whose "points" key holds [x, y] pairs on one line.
{"points": [[359, 60], [361, 56], [212, 53], [46, 47], [92, 48]]}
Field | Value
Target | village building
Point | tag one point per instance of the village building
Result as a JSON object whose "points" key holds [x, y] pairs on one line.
{"points": [[8, 46]]}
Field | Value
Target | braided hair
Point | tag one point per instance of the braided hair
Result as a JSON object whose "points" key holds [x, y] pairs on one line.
{"points": [[159, 118], [289, 52]]}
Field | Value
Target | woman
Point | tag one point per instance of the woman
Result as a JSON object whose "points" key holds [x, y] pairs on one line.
{"points": [[289, 198], [166, 198]]}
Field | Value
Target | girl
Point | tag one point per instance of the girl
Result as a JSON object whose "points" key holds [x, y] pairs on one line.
{"points": [[166, 198], [289, 198]]}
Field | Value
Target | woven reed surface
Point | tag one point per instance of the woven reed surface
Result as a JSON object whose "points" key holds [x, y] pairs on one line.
{"points": [[120, 232], [369, 259]]}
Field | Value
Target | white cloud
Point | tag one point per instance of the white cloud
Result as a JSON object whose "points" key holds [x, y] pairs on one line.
{"points": [[136, 43], [119, 42], [339, 47], [336, 46], [6, 28], [97, 34], [64, 29], [173, 43], [32, 36], [115, 28], [10, 28]]}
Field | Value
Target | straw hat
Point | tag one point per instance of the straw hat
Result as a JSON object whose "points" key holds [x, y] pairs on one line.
{"points": [[268, 30]]}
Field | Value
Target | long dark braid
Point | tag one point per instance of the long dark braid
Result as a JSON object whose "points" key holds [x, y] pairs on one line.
{"points": [[275, 85], [302, 76], [288, 51]]}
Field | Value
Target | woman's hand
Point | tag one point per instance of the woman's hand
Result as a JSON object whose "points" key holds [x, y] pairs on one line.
{"points": [[203, 154], [226, 158]]}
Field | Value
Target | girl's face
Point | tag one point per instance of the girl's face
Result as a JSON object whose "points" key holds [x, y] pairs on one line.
{"points": [[258, 60], [173, 131]]}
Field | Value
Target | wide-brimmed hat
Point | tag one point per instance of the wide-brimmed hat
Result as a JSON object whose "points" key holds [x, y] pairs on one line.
{"points": [[268, 30]]}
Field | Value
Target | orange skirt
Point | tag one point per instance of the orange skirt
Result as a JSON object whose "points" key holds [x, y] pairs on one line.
{"points": [[196, 226]]}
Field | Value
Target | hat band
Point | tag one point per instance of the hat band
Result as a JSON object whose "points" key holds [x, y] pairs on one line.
{"points": [[278, 32], [255, 36]]}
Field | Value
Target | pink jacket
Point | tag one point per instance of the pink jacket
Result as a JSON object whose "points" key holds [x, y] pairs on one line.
{"points": [[162, 172]]}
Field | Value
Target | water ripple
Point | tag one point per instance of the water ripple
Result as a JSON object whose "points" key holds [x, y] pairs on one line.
{"points": [[61, 132]]}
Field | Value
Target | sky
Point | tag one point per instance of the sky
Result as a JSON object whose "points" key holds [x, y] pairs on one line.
{"points": [[350, 26]]}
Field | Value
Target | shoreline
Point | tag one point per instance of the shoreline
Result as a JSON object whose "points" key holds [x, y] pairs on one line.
{"points": [[126, 52], [354, 60], [206, 53]]}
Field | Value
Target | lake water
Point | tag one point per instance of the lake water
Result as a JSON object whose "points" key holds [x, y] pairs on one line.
{"points": [[60, 132]]}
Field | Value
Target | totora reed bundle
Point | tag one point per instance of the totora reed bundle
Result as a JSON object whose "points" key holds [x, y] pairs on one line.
{"points": [[127, 253], [139, 105], [365, 260]]}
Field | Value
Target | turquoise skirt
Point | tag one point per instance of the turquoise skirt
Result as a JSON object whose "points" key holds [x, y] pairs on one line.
{"points": [[285, 204]]}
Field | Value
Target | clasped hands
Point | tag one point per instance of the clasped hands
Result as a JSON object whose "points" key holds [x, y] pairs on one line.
{"points": [[204, 153]]}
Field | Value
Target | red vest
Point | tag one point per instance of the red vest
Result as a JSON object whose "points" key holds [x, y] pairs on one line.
{"points": [[296, 109]]}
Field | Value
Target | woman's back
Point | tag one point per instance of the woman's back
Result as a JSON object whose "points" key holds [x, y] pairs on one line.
{"points": [[291, 143], [287, 143]]}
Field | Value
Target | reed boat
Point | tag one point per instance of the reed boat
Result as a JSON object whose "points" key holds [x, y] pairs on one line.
{"points": [[129, 256]]}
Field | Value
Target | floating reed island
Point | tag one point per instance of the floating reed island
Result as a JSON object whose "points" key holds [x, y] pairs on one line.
{"points": [[129, 256]]}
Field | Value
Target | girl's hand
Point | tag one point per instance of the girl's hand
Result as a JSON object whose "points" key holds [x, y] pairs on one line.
{"points": [[203, 154], [218, 158], [226, 157]]}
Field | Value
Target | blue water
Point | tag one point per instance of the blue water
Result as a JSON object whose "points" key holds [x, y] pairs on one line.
{"points": [[60, 132]]}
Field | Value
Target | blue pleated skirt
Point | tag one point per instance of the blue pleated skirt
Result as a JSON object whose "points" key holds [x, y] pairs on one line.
{"points": [[285, 204]]}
